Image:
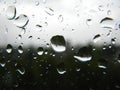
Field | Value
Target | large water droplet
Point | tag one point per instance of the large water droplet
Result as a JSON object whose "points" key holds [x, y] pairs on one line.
{"points": [[11, 12], [20, 49], [58, 43], [113, 41], [96, 38], [84, 54], [107, 23], [21, 21], [40, 51], [9, 48]]}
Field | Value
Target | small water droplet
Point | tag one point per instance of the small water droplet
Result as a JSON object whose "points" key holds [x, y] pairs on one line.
{"points": [[101, 66], [21, 71], [2, 64], [19, 37], [21, 21], [107, 22], [44, 1], [83, 59], [37, 3], [49, 11], [20, 49], [89, 22], [109, 12], [30, 37], [113, 41], [58, 43], [77, 69], [11, 12], [9, 48], [61, 71], [60, 18], [117, 26], [40, 51], [96, 38]]}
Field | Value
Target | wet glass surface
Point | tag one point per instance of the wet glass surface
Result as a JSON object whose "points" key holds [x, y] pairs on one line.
{"points": [[59, 44]]}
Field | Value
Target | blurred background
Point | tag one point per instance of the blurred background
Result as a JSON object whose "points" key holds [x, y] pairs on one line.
{"points": [[59, 44]]}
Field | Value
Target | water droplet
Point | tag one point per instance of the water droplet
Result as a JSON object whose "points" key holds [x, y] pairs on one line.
{"points": [[107, 23], [9, 48], [2, 64], [44, 1], [117, 26], [89, 22], [49, 11], [21, 21], [102, 63], [60, 18], [58, 43], [20, 49], [37, 3], [61, 71], [21, 71], [84, 54], [11, 12], [19, 37], [101, 66], [30, 37], [97, 38], [101, 8], [109, 12], [40, 51], [83, 59], [113, 41], [77, 69]]}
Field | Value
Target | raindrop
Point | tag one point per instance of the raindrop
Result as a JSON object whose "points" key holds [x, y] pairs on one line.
{"points": [[21, 71], [60, 18], [19, 37], [37, 3], [61, 68], [101, 66], [96, 38], [49, 11], [61, 71], [107, 23], [109, 12], [83, 59], [89, 22], [2, 64], [117, 26], [30, 37], [38, 26], [58, 43], [44, 1], [20, 49], [100, 8], [84, 54], [40, 51], [9, 48], [11, 12], [21, 21], [77, 69], [113, 40]]}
